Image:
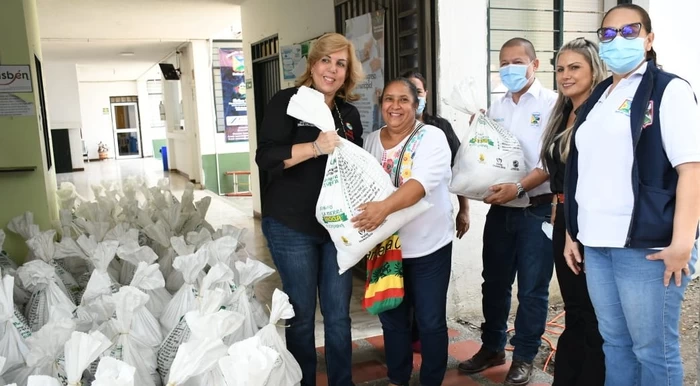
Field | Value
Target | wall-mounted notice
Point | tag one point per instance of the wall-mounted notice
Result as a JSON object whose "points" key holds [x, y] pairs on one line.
{"points": [[14, 106], [15, 79], [233, 87], [367, 34]]}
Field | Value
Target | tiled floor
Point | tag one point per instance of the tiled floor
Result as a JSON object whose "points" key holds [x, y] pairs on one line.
{"points": [[369, 363], [368, 357]]}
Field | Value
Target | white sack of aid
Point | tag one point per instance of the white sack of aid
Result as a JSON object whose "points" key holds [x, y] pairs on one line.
{"points": [[489, 154], [353, 177]]}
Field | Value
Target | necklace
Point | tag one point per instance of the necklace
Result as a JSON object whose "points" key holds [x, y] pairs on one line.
{"points": [[342, 124]]}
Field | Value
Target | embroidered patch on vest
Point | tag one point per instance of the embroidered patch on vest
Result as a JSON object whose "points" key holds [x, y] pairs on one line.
{"points": [[648, 115], [625, 107]]}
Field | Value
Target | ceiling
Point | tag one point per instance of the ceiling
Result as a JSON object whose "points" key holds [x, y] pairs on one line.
{"points": [[93, 33]]}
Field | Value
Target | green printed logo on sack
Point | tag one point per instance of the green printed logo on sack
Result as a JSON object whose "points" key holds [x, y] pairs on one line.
{"points": [[335, 218], [481, 139]]}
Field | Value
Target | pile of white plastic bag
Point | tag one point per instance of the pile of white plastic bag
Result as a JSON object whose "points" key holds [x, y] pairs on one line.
{"points": [[136, 288]]}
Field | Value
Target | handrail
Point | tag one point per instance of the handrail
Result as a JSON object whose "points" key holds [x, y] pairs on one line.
{"points": [[17, 169]]}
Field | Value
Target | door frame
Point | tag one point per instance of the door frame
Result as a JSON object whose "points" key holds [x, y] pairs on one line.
{"points": [[112, 105]]}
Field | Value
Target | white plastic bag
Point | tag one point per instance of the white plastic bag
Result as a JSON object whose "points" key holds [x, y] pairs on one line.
{"points": [[175, 280], [149, 279], [195, 358], [288, 373], [80, 351], [132, 254], [489, 154], [199, 239], [43, 380], [135, 318], [220, 276], [113, 372], [97, 305], [101, 257], [12, 331], [209, 302], [222, 250], [6, 263], [43, 247], [249, 363], [40, 279], [2, 366], [353, 177], [244, 301], [46, 354], [24, 226], [215, 325], [184, 300], [134, 335]]}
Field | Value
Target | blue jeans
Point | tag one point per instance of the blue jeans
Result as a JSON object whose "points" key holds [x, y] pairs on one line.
{"points": [[514, 243], [638, 316], [308, 267], [425, 281]]}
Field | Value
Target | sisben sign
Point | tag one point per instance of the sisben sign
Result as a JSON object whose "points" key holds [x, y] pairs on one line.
{"points": [[15, 79]]}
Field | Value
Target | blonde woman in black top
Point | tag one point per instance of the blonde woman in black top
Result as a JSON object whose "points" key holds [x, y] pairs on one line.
{"points": [[579, 359], [293, 153]]}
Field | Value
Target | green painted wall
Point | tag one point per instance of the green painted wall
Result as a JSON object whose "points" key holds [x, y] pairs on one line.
{"points": [[22, 141], [157, 144], [227, 162]]}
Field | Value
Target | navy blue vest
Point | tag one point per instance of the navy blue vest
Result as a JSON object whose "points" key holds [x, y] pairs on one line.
{"points": [[654, 179]]}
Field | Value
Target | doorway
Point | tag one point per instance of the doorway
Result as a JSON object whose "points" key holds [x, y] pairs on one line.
{"points": [[127, 129], [266, 80]]}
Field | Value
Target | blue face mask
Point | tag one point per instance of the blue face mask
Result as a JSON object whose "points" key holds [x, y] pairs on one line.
{"points": [[421, 105], [623, 55], [514, 76]]}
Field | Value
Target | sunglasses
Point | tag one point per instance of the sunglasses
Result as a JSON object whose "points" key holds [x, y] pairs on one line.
{"points": [[629, 31]]}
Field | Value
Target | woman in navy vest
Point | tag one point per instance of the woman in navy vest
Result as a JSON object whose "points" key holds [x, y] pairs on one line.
{"points": [[633, 201], [579, 360]]}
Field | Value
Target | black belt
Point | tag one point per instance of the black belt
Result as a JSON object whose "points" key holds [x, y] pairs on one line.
{"points": [[541, 199]]}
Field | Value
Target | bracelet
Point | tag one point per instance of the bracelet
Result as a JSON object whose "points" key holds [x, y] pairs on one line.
{"points": [[313, 147], [318, 148]]}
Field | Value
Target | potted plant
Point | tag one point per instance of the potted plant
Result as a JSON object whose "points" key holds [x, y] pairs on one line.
{"points": [[102, 151]]}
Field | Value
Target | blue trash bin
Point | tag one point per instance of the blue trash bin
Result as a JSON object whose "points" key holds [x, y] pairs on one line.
{"points": [[164, 156]]}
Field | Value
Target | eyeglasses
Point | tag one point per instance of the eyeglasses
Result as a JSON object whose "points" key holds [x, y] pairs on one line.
{"points": [[629, 31]]}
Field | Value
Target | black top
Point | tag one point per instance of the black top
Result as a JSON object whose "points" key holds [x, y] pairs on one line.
{"points": [[289, 195], [555, 165], [444, 125]]}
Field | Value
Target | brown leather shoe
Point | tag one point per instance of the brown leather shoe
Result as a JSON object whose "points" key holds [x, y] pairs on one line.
{"points": [[481, 361], [519, 373]]}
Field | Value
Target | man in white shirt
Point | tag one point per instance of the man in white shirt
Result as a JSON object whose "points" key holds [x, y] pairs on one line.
{"points": [[513, 237]]}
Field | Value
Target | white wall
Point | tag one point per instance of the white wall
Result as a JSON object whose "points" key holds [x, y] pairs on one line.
{"points": [[147, 134], [185, 147], [677, 52], [62, 95], [97, 126], [459, 59], [293, 22], [63, 105]]}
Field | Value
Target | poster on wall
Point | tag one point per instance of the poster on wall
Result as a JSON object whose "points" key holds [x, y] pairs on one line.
{"points": [[233, 89], [294, 58], [367, 34]]}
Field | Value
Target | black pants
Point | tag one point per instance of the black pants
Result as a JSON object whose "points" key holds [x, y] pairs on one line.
{"points": [[579, 359]]}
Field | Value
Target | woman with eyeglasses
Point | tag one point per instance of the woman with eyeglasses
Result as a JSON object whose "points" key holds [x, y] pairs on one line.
{"points": [[579, 355], [632, 198]]}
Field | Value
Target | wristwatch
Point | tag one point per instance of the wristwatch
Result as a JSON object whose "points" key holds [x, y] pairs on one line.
{"points": [[521, 190]]}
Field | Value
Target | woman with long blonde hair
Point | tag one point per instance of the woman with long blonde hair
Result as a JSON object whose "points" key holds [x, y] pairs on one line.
{"points": [[293, 154], [579, 357]]}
